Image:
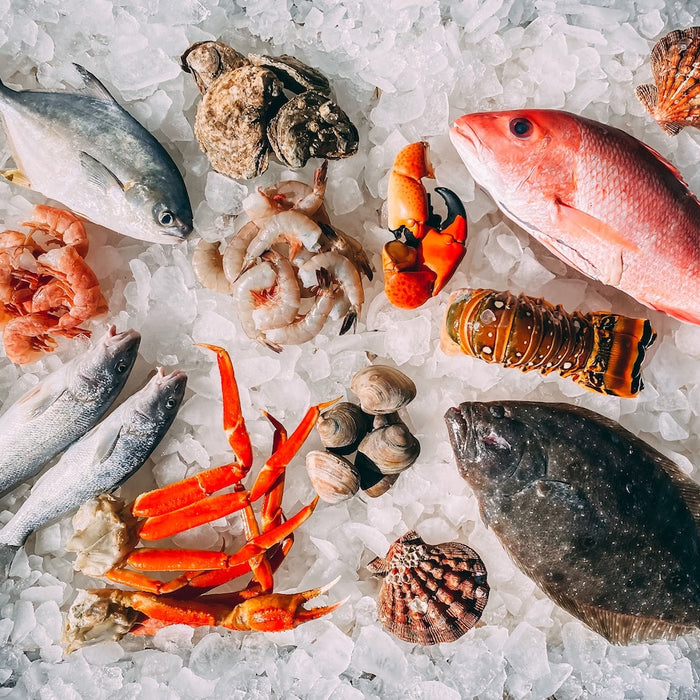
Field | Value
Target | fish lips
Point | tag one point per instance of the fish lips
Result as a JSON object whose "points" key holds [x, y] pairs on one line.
{"points": [[460, 427]]}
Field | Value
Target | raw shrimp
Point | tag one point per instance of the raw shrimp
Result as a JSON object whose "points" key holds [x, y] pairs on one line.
{"points": [[61, 225], [349, 247], [291, 227], [234, 255], [289, 194], [309, 325], [345, 274], [74, 288], [208, 268]]}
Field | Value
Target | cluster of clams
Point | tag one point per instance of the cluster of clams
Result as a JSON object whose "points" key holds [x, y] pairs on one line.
{"points": [[383, 443], [245, 111]]}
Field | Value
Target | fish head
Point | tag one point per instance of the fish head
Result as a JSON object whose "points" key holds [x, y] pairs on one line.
{"points": [[516, 153], [158, 402], [104, 369], [160, 214], [489, 441]]}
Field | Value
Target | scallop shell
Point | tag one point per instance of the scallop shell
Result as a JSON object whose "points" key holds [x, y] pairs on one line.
{"points": [[382, 389], [342, 427], [674, 100], [390, 449], [430, 593], [334, 478]]}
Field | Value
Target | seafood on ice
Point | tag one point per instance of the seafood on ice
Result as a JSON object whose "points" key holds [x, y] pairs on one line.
{"points": [[245, 113], [63, 406], [674, 98], [603, 523], [602, 201], [288, 269], [430, 593], [107, 534], [99, 462], [46, 287], [86, 151], [417, 268], [598, 350]]}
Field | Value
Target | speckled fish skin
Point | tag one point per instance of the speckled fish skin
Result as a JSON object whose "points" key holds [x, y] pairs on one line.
{"points": [[99, 462], [63, 406], [599, 199], [603, 523], [85, 151]]}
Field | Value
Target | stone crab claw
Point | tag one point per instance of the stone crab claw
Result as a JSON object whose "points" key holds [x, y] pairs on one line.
{"points": [[418, 267]]}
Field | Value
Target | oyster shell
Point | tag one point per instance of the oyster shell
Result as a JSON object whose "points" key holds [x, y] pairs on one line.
{"points": [[342, 427], [207, 60], [334, 478], [674, 99], [231, 120], [382, 389], [296, 75], [389, 449], [430, 593], [311, 125]]}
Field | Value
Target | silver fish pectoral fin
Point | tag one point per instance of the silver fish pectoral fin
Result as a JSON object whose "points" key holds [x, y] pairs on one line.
{"points": [[99, 174]]}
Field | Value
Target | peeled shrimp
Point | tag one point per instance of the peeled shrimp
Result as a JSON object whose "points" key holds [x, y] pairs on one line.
{"points": [[345, 274], [207, 265]]}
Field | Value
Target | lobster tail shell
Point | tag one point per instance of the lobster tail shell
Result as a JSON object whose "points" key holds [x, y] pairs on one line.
{"points": [[600, 351]]}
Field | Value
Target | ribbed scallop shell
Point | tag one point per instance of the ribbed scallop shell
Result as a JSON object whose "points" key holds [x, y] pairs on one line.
{"points": [[382, 389], [674, 100], [430, 593]]}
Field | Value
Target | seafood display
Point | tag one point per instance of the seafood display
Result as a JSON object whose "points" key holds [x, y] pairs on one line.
{"points": [[87, 152], [245, 114], [599, 199], [430, 593], [603, 523], [99, 462], [385, 446], [107, 534], [288, 269], [420, 266], [674, 98], [46, 287], [63, 406], [598, 350]]}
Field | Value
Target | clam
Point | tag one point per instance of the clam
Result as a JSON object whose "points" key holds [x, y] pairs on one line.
{"points": [[207, 60], [334, 478], [430, 593], [372, 482], [389, 450], [382, 389], [342, 427]]}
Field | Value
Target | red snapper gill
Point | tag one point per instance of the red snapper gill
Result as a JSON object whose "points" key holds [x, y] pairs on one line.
{"points": [[599, 199]]}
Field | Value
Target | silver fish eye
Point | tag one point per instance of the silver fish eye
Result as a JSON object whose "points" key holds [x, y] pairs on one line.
{"points": [[170, 403], [166, 218]]}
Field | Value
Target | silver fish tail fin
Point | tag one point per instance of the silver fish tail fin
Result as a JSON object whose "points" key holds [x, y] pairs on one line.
{"points": [[7, 554]]}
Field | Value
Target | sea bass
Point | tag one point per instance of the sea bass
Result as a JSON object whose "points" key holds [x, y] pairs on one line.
{"points": [[99, 462], [602, 522], [85, 151], [63, 406], [602, 201]]}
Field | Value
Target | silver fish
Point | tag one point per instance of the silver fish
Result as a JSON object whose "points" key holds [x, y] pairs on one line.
{"points": [[63, 407], [87, 152], [99, 462]]}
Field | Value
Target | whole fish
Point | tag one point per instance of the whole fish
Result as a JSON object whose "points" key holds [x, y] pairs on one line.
{"points": [[99, 462], [602, 201], [87, 152], [602, 522], [63, 406]]}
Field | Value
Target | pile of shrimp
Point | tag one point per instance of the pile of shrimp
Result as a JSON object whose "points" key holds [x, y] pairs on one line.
{"points": [[288, 269], [46, 287]]}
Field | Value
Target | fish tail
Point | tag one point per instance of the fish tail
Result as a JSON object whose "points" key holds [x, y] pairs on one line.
{"points": [[7, 554], [619, 346]]}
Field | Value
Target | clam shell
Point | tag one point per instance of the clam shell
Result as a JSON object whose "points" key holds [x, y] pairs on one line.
{"points": [[342, 427], [430, 593], [334, 478], [382, 389], [674, 99], [372, 482], [391, 449]]}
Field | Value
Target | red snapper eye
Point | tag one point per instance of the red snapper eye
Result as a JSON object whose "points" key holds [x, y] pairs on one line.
{"points": [[521, 128]]}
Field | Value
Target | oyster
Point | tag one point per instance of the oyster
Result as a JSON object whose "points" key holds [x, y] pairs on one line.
{"points": [[311, 125], [296, 75], [207, 60], [674, 99], [430, 593], [231, 120]]}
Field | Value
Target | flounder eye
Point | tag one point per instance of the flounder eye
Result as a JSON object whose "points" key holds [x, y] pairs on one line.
{"points": [[166, 218], [497, 411], [521, 127]]}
